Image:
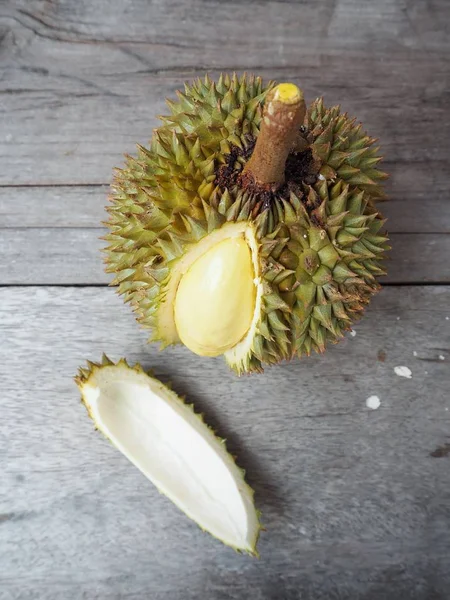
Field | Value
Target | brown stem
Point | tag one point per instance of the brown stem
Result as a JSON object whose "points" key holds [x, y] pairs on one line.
{"points": [[283, 114]]}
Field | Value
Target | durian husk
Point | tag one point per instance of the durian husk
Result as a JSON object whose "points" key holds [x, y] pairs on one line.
{"points": [[162, 421], [168, 199]]}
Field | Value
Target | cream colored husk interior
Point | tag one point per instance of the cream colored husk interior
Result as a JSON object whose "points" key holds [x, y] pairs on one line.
{"points": [[173, 448]]}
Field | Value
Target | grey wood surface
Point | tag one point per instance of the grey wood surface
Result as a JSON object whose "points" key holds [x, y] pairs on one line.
{"points": [[353, 503], [356, 502]]}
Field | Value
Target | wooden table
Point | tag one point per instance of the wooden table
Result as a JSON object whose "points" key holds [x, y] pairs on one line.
{"points": [[356, 501]]}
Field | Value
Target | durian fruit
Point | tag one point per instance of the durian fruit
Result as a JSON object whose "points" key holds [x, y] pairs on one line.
{"points": [[172, 446], [248, 228]]}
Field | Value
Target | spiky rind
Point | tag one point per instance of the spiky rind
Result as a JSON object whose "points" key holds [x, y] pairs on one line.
{"points": [[322, 262], [342, 253], [87, 374], [345, 150], [168, 199], [173, 180]]}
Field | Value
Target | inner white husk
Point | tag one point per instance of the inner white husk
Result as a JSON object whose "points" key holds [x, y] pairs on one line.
{"points": [[166, 318], [173, 448]]}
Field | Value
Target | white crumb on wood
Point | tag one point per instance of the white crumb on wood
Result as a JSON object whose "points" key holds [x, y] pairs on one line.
{"points": [[441, 357], [398, 318], [41, 295], [352, 332], [414, 353], [447, 318], [403, 372], [373, 402]]}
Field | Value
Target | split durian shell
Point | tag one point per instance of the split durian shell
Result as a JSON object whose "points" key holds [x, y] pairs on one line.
{"points": [[173, 447], [317, 250]]}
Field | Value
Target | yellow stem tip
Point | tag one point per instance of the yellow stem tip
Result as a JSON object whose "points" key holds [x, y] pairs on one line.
{"points": [[288, 93]]}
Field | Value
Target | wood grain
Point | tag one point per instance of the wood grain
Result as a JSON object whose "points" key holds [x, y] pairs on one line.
{"points": [[54, 206], [81, 87], [353, 503], [346, 25], [73, 256], [356, 502]]}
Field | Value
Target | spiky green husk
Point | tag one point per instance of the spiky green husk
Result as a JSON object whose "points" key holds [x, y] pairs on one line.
{"points": [[86, 375], [167, 199], [344, 149]]}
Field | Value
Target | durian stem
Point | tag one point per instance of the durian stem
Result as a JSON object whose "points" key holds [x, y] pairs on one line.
{"points": [[284, 112]]}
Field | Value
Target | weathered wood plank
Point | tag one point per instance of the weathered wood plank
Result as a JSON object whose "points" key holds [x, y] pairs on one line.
{"points": [[79, 90], [73, 256], [345, 25], [82, 135], [354, 504], [54, 206], [51, 256], [419, 202]]}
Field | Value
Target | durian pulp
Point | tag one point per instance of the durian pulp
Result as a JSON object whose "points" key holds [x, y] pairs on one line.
{"points": [[215, 301], [173, 448], [167, 328]]}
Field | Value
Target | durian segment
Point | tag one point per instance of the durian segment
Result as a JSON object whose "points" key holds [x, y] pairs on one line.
{"points": [[215, 300], [181, 254], [171, 445]]}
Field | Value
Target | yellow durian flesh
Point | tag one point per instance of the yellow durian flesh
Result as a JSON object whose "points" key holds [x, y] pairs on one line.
{"points": [[215, 300]]}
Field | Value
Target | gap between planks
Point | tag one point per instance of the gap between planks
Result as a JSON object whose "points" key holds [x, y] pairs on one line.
{"points": [[387, 284]]}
